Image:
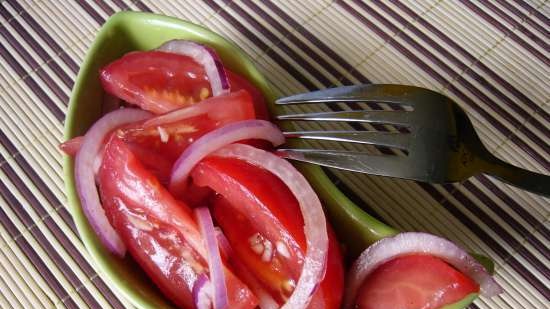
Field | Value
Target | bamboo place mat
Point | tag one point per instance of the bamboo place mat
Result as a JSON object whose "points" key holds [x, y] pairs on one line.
{"points": [[492, 57]]}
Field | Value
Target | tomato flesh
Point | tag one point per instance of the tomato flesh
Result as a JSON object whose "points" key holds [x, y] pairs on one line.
{"points": [[161, 82], [238, 82], [158, 230], [414, 281], [156, 81], [71, 146], [262, 221], [178, 135]]}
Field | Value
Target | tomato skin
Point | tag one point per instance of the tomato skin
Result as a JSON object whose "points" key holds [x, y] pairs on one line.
{"points": [[71, 146], [256, 201], [159, 156], [217, 112], [238, 82], [160, 82], [414, 281], [158, 230], [156, 81]]}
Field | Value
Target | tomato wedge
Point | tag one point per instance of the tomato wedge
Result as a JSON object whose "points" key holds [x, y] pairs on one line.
{"points": [[156, 81], [238, 82], [160, 82], [414, 281], [170, 139], [262, 221], [71, 146], [157, 229]]}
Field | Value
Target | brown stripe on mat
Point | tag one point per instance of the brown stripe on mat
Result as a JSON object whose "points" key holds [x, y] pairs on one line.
{"points": [[429, 70], [28, 250], [42, 212], [311, 53], [515, 25], [493, 244], [88, 8], [269, 52], [497, 228], [318, 43], [285, 48], [66, 216], [32, 84], [534, 12], [29, 171], [66, 243], [47, 38], [104, 7], [253, 38], [511, 103], [27, 37], [123, 5], [142, 6], [506, 31], [18, 209], [317, 58], [527, 18], [516, 226], [518, 209], [34, 65]]}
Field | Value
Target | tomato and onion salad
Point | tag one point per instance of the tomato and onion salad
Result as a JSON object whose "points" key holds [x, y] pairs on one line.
{"points": [[198, 139]]}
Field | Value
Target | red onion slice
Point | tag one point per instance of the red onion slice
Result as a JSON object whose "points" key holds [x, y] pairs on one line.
{"points": [[408, 243], [205, 56], [315, 228], [84, 171], [217, 277], [201, 292], [214, 140]]}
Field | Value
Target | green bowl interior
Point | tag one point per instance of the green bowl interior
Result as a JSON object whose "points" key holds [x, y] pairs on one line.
{"points": [[127, 31]]}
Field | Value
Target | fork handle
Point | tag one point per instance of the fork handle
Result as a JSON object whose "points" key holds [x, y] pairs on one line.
{"points": [[518, 177]]}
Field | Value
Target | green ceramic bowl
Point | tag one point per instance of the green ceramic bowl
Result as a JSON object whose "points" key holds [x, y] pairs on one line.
{"points": [[128, 31]]}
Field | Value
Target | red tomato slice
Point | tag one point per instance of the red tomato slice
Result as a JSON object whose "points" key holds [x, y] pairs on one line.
{"points": [[414, 281], [157, 229], [238, 82], [160, 166], [156, 81], [71, 146], [262, 221], [178, 135], [161, 82]]}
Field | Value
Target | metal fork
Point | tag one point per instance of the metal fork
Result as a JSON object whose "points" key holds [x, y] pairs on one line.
{"points": [[442, 145]]}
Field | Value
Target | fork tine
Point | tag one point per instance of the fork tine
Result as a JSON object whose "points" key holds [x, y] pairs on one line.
{"points": [[382, 165], [402, 118], [387, 93], [388, 139]]}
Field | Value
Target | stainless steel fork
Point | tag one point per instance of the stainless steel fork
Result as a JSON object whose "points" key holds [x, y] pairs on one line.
{"points": [[442, 145]]}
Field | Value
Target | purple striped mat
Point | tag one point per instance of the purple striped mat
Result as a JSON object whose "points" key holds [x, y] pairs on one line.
{"points": [[492, 57]]}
